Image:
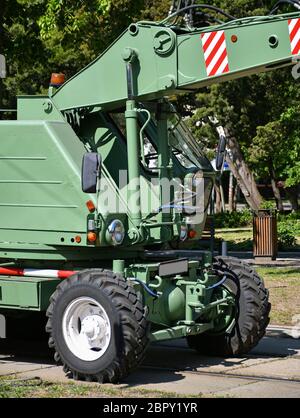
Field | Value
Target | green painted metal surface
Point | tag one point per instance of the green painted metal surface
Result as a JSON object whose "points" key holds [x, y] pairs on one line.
{"points": [[181, 299], [40, 181], [179, 331], [26, 293], [181, 66]]}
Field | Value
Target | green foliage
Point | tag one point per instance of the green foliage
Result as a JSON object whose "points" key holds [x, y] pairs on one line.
{"points": [[39, 37], [268, 205], [277, 145], [288, 229], [75, 15], [294, 216], [155, 10], [286, 234], [75, 31], [233, 219]]}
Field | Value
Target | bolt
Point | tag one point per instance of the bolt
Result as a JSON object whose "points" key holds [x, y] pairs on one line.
{"points": [[129, 54], [157, 43], [47, 106], [170, 82], [133, 235]]}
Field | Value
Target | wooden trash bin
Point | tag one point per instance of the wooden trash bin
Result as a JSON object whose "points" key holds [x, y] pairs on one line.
{"points": [[265, 234]]}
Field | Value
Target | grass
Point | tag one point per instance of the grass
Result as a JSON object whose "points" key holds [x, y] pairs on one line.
{"points": [[284, 287], [237, 240], [242, 239], [13, 387]]}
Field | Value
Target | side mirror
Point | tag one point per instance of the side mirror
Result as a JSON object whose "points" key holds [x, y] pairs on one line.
{"points": [[91, 171], [221, 152]]}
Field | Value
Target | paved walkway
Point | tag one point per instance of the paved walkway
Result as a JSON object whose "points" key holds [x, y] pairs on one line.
{"points": [[272, 369], [288, 259]]}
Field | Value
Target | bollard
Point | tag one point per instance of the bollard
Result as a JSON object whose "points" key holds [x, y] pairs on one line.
{"points": [[224, 248]]}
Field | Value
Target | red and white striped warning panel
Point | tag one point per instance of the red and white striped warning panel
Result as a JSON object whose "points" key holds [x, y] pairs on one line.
{"points": [[215, 53], [294, 30], [55, 274]]}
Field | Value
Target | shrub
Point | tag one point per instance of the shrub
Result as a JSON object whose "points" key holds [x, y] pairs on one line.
{"points": [[293, 216], [268, 204], [233, 219], [286, 235]]}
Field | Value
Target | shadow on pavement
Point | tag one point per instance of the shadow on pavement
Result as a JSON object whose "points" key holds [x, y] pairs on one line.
{"points": [[26, 351], [164, 362]]}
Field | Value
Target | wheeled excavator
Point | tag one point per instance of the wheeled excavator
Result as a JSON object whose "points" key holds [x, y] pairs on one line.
{"points": [[101, 181]]}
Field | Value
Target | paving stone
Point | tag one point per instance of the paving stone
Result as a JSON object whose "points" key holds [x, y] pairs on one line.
{"points": [[264, 390]]}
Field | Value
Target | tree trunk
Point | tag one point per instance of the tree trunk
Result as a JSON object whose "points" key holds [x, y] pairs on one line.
{"points": [[222, 198], [231, 193], [277, 196], [235, 197], [242, 173], [218, 200], [275, 188]]}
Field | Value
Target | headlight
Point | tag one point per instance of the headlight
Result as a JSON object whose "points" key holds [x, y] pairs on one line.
{"points": [[115, 233]]}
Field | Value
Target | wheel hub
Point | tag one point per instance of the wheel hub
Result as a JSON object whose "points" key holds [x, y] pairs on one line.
{"points": [[93, 327], [86, 329]]}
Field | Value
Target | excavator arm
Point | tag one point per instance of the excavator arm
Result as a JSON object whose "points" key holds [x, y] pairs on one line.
{"points": [[153, 60]]}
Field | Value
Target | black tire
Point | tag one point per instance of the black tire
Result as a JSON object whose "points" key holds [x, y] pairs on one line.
{"points": [[251, 312], [127, 316]]}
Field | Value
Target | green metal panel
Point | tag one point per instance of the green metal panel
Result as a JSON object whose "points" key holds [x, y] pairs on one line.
{"points": [[253, 49], [250, 54], [38, 108], [40, 183], [27, 293]]}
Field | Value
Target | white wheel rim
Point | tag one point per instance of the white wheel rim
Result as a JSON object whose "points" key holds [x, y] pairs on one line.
{"points": [[86, 329]]}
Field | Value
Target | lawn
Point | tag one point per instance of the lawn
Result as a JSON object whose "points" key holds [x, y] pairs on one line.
{"points": [[14, 387], [284, 287], [241, 239], [237, 239]]}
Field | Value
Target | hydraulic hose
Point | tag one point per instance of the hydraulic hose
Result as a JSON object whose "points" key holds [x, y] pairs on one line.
{"points": [[147, 288], [198, 6]]}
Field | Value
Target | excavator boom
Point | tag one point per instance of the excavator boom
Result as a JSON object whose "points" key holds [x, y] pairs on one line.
{"points": [[164, 60]]}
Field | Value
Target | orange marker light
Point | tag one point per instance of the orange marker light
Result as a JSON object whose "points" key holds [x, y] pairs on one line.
{"points": [[192, 234], [57, 79], [78, 239], [234, 38], [92, 237], [90, 205]]}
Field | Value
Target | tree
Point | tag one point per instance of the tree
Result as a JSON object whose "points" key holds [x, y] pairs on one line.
{"points": [[243, 105], [21, 45], [39, 37], [214, 105], [275, 151], [77, 31]]}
